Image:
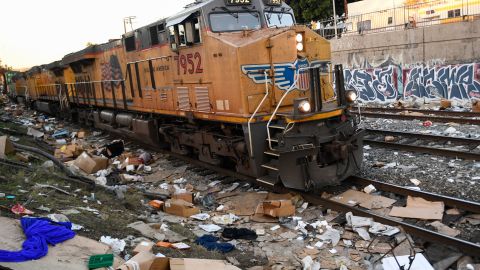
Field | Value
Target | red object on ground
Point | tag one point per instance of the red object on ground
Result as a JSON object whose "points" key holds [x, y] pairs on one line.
{"points": [[427, 123], [19, 209]]}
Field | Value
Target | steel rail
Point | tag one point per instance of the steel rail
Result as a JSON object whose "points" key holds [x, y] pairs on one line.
{"points": [[425, 149], [471, 121], [424, 111], [424, 136], [465, 246], [469, 206]]}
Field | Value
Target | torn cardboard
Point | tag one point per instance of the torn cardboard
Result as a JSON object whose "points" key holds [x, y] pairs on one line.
{"points": [[6, 147], [180, 208], [354, 197], [278, 208], [419, 208], [186, 196], [141, 261], [91, 164], [144, 246], [200, 264], [444, 229]]}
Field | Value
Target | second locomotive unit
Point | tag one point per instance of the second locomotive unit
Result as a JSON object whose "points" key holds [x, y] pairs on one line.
{"points": [[234, 83]]}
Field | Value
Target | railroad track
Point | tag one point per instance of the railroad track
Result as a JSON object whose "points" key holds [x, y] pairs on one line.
{"points": [[423, 115], [425, 143], [314, 198], [465, 246]]}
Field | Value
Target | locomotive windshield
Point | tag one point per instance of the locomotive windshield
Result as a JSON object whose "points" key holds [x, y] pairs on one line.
{"points": [[276, 19], [235, 21]]}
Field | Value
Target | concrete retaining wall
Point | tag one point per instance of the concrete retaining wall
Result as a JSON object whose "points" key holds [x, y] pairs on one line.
{"points": [[441, 61]]}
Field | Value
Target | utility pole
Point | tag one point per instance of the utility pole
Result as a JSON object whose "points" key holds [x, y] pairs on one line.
{"points": [[335, 19], [345, 4], [128, 20]]}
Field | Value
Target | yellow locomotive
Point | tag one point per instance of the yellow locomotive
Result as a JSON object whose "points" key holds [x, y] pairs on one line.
{"points": [[235, 83]]}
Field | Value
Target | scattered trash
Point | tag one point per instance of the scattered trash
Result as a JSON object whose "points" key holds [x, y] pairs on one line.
{"points": [[180, 208], [117, 245], [210, 227], [427, 123], [419, 263], [444, 229], [225, 219], [331, 235], [369, 189], [114, 149], [91, 164], [19, 209], [211, 243], [416, 182], [39, 232], [242, 233], [100, 261], [6, 147], [419, 208]]}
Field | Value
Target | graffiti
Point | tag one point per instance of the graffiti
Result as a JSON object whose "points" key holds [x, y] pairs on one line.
{"points": [[374, 84], [388, 84], [111, 71], [450, 82]]}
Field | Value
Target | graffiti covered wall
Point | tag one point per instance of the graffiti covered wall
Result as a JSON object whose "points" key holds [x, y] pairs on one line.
{"points": [[394, 82]]}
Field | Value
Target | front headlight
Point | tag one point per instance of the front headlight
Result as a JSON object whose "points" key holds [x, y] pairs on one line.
{"points": [[305, 107], [300, 47], [299, 38], [351, 96]]}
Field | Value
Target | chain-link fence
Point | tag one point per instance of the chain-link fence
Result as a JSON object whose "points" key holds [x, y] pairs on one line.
{"points": [[399, 18]]}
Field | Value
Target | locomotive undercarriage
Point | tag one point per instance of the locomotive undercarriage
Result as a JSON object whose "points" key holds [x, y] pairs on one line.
{"points": [[309, 156]]}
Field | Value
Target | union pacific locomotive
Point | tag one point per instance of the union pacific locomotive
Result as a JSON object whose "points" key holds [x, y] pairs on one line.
{"points": [[234, 83]]}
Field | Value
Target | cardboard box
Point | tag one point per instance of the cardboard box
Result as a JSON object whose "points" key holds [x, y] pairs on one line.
{"points": [[6, 147], [280, 208], [476, 106], [91, 164], [144, 246], [186, 196], [200, 264], [59, 154], [160, 264], [81, 134], [156, 204], [141, 261], [180, 208], [445, 104]]}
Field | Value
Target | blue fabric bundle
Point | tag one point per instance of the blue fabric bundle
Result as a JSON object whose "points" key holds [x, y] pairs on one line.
{"points": [[40, 233], [210, 242]]}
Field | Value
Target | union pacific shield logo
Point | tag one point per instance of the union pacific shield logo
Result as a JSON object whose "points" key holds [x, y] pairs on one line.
{"points": [[284, 74]]}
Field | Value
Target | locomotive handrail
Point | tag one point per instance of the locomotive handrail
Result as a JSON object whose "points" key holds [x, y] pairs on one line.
{"points": [[149, 59], [255, 113], [280, 103]]}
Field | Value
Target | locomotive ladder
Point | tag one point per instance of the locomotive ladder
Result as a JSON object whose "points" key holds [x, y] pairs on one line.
{"points": [[277, 126]]}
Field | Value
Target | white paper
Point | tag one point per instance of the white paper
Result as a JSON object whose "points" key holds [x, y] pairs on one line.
{"points": [[420, 263]]}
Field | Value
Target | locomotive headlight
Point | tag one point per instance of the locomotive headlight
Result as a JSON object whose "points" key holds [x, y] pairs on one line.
{"points": [[300, 47], [305, 107], [299, 38], [351, 96]]}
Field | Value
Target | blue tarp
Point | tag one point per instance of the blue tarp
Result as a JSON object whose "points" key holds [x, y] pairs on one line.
{"points": [[40, 233]]}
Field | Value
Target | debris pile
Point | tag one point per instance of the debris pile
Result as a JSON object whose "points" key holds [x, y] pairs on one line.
{"points": [[151, 211]]}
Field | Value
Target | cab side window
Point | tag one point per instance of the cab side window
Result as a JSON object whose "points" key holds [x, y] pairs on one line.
{"points": [[130, 44], [186, 33]]}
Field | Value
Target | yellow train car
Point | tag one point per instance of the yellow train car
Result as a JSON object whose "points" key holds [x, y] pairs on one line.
{"points": [[233, 83]]}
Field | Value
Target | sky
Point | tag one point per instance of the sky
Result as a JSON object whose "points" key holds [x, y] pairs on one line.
{"points": [[37, 32]]}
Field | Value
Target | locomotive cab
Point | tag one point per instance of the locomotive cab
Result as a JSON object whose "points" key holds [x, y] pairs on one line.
{"points": [[277, 77]]}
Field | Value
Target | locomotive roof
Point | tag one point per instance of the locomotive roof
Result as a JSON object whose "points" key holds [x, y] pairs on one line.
{"points": [[189, 9], [88, 52]]}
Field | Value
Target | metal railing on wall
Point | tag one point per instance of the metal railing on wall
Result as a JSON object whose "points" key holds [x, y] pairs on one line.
{"points": [[424, 14]]}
